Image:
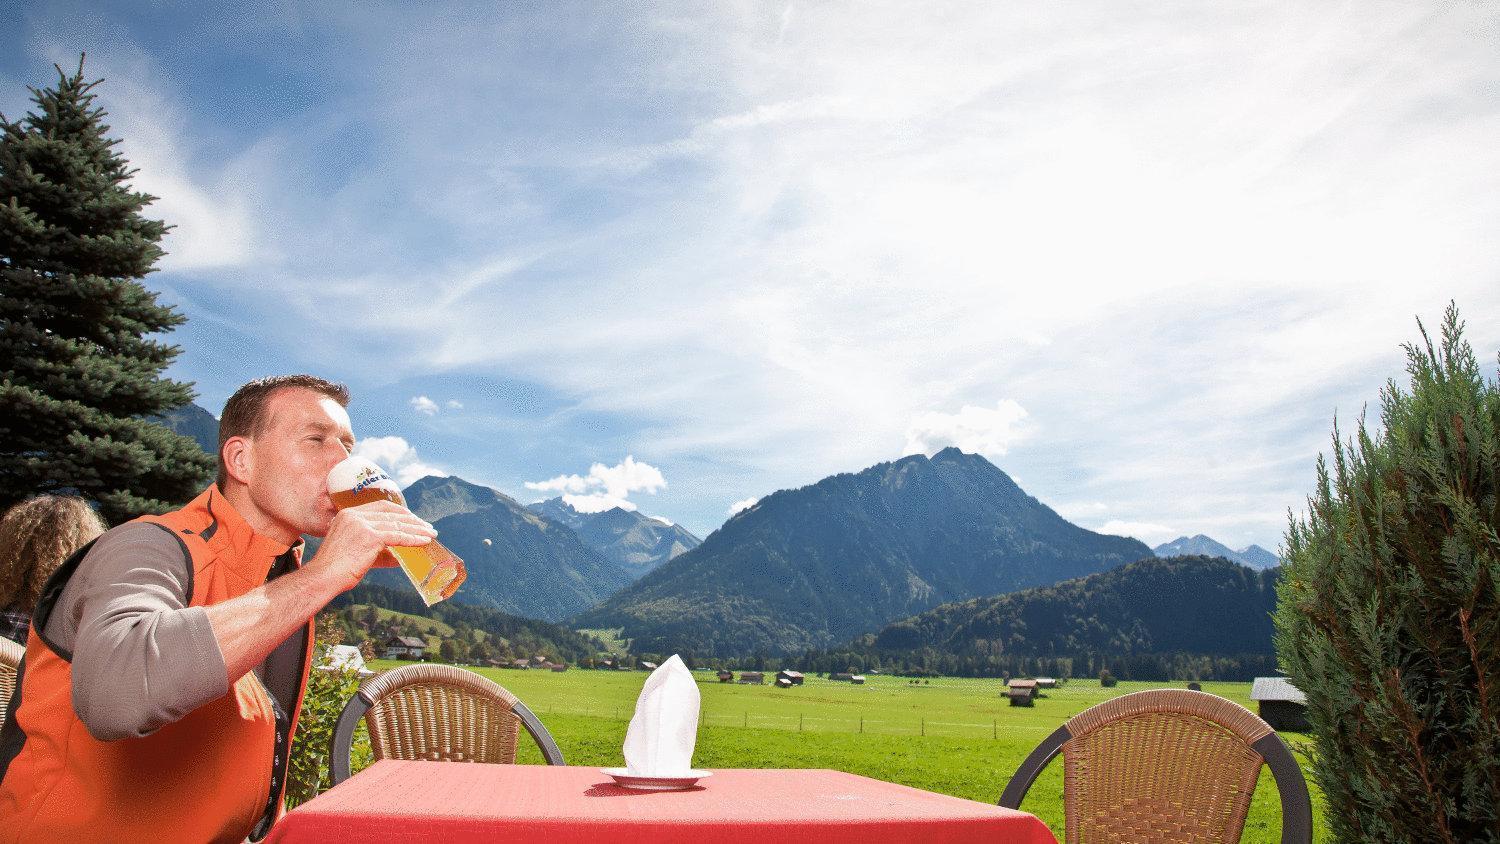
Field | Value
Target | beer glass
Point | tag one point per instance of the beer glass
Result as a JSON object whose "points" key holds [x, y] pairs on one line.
{"points": [[434, 570]]}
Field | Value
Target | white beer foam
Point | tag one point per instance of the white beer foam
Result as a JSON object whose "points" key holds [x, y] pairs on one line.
{"points": [[357, 473]]}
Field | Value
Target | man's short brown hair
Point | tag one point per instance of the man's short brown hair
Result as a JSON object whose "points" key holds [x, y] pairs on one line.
{"points": [[245, 412]]}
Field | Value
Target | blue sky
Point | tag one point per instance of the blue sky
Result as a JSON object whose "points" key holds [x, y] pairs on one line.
{"points": [[1137, 254]]}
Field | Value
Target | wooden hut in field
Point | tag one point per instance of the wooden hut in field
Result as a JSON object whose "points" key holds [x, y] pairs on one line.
{"points": [[1046, 682], [726, 676], [752, 678], [1021, 692], [857, 679], [1281, 704], [841, 676], [793, 678]]}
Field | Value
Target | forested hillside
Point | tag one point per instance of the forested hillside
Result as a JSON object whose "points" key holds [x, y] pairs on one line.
{"points": [[1152, 619], [478, 634]]}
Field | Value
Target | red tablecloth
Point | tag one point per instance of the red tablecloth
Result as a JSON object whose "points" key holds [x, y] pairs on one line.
{"points": [[450, 802]]}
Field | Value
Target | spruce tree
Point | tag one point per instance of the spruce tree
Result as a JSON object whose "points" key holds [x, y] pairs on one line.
{"points": [[79, 368], [1389, 613]]}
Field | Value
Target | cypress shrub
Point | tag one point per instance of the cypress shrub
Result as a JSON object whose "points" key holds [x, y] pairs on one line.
{"points": [[1389, 612]]}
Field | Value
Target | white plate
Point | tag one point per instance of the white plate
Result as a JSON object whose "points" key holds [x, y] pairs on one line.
{"points": [[625, 779]]}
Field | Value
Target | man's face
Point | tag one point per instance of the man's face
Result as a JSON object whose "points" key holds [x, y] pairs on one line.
{"points": [[305, 434]]}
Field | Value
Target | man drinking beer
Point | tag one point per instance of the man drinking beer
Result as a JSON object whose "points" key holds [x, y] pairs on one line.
{"points": [[167, 659]]}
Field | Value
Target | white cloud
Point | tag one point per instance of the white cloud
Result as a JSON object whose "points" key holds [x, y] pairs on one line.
{"points": [[1076, 511], [1063, 209], [663, 519], [597, 503], [742, 504], [978, 430], [1151, 534], [1179, 236], [454, 404], [397, 456], [604, 487], [424, 405]]}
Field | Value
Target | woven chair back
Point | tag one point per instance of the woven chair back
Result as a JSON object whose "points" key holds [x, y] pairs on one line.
{"points": [[10, 661], [441, 713], [1167, 765]]}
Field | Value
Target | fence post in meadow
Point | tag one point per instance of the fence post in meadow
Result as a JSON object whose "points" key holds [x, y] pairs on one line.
{"points": [[747, 719], [799, 722], [995, 728], [924, 726], [861, 724]]}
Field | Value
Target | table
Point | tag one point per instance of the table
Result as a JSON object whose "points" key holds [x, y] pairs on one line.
{"points": [[451, 802]]}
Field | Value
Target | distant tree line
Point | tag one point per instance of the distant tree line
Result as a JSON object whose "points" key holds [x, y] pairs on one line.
{"points": [[1192, 617], [926, 662]]}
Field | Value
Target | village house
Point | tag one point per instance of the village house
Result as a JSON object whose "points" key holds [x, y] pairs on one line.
{"points": [[403, 647], [793, 678]]}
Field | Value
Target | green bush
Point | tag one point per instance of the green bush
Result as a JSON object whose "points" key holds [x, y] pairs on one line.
{"points": [[1389, 614], [308, 767], [1106, 679]]}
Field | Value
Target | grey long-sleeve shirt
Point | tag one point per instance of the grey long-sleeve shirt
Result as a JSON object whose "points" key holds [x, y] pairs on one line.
{"points": [[142, 658]]}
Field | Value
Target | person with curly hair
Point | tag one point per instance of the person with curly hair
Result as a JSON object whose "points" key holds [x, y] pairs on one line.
{"points": [[35, 537]]}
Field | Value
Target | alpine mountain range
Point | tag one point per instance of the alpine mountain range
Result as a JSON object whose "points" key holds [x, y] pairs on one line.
{"points": [[855, 554]]}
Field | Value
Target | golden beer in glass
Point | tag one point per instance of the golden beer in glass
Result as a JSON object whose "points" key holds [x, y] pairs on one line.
{"points": [[434, 570]]}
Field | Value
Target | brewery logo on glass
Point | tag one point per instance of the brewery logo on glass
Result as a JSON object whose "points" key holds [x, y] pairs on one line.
{"points": [[369, 476], [435, 571]]}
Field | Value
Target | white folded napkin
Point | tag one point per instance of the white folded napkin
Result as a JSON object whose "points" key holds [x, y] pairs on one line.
{"points": [[664, 728]]}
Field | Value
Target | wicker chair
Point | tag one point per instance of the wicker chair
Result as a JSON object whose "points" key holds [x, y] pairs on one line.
{"points": [[10, 662], [437, 712], [1167, 765]]}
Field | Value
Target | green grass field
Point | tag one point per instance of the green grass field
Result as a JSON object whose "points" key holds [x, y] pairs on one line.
{"points": [[954, 736]]}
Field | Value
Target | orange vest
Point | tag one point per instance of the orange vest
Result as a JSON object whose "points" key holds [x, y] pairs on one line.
{"points": [[217, 774]]}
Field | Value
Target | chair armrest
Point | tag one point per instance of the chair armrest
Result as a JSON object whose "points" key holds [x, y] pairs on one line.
{"points": [[1031, 767], [343, 737], [1296, 805], [539, 734]]}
